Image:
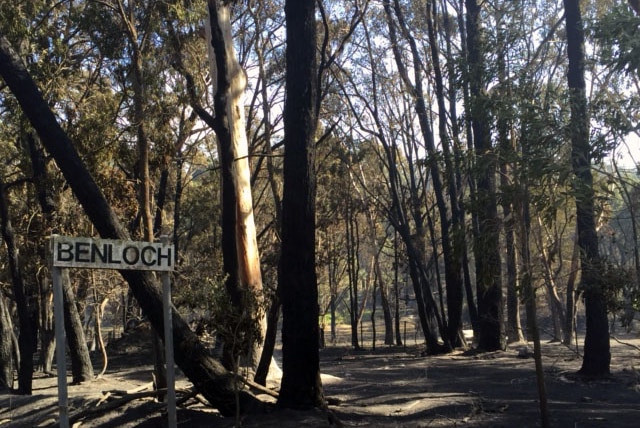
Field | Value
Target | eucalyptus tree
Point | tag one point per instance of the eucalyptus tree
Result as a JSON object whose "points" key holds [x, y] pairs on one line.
{"points": [[486, 244], [301, 385], [378, 112], [60, 61], [239, 242], [26, 335], [597, 355], [619, 95], [505, 118], [449, 222], [363, 177], [208, 375]]}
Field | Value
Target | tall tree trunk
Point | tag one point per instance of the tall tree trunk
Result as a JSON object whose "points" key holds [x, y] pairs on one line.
{"points": [[241, 258], [487, 242], [6, 346], [452, 266], [142, 172], [273, 315], [529, 293], [460, 234], [353, 269], [455, 234], [298, 288], [507, 156], [570, 318], [398, 216], [396, 288], [45, 196], [597, 355], [215, 383], [26, 336], [81, 367]]}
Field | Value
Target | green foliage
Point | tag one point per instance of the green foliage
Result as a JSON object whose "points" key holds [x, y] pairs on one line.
{"points": [[619, 288], [618, 37], [238, 329]]}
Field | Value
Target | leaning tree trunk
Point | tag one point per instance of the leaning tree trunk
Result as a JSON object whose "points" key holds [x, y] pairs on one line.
{"points": [[298, 287], [597, 355], [353, 270], [215, 383]]}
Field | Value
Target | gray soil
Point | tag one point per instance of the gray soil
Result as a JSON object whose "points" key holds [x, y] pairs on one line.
{"points": [[385, 387]]}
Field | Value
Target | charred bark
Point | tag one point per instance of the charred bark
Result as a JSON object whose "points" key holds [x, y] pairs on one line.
{"points": [[26, 336], [597, 354], [298, 288], [488, 265], [46, 201], [81, 367]]}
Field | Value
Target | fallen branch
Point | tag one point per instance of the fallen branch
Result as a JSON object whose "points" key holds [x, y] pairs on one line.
{"points": [[140, 388], [105, 397], [260, 388], [189, 394], [625, 343]]}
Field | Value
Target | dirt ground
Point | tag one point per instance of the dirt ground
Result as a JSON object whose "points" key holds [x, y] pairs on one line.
{"points": [[386, 387]]}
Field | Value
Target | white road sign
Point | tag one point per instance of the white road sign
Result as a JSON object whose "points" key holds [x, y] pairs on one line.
{"points": [[112, 254]]}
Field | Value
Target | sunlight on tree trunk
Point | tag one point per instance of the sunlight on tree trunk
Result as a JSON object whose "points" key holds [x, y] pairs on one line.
{"points": [[239, 232]]}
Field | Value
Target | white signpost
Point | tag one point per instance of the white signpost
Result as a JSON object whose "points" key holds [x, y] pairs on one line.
{"points": [[68, 252]]}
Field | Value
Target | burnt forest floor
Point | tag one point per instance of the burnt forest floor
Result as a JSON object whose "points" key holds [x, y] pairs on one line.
{"points": [[385, 387]]}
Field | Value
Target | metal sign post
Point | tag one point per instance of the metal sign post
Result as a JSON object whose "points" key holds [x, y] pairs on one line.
{"points": [[91, 253], [58, 313], [168, 345]]}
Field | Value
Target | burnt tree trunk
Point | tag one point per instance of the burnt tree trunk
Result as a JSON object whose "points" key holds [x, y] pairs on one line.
{"points": [[269, 344], [25, 338], [81, 367], [47, 206], [487, 242], [452, 268], [215, 383], [298, 288], [597, 355]]}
